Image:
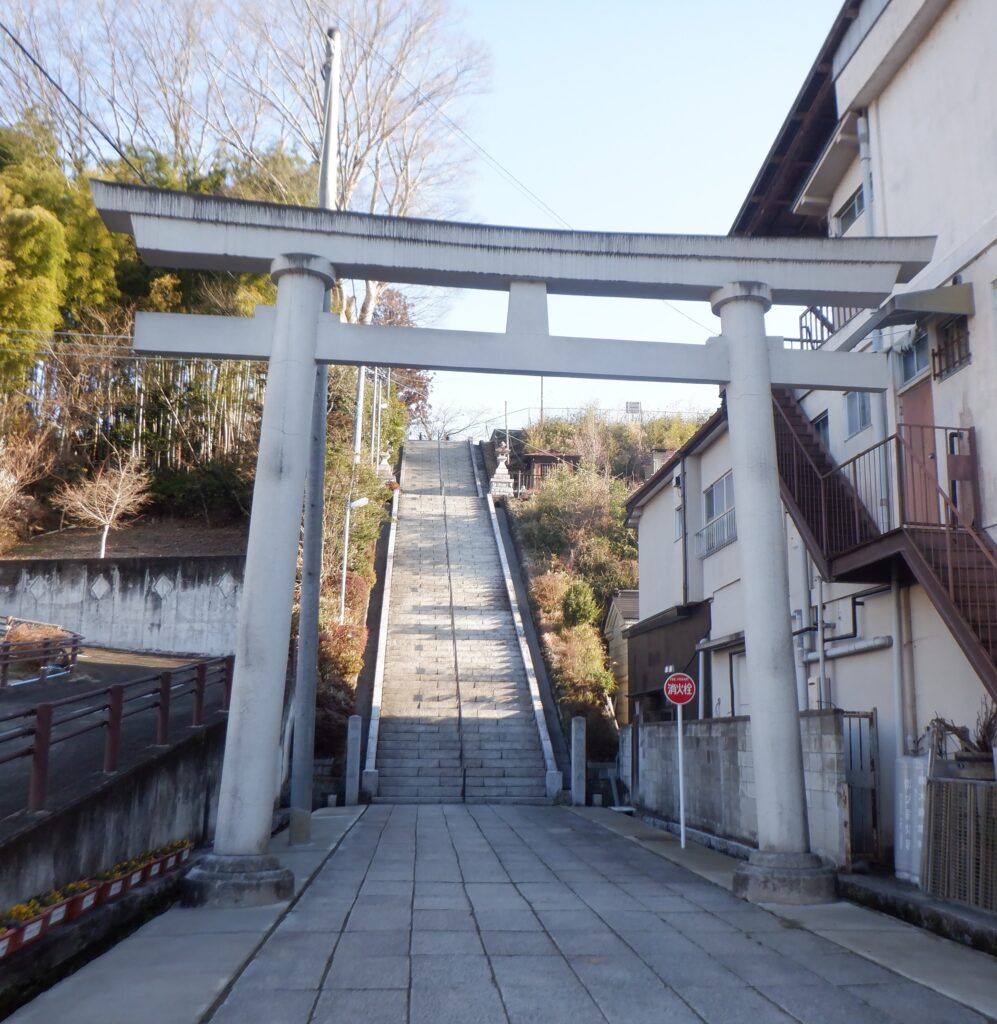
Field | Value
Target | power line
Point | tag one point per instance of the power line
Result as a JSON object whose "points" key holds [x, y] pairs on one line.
{"points": [[492, 161], [65, 95]]}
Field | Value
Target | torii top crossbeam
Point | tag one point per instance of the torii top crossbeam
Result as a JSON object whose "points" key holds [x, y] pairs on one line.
{"points": [[175, 229], [207, 233]]}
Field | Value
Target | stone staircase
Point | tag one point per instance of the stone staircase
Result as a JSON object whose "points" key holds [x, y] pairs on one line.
{"points": [[457, 721]]}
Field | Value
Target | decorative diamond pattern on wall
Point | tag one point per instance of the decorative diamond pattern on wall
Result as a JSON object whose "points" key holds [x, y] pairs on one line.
{"points": [[38, 587], [100, 587], [226, 584], [163, 587]]}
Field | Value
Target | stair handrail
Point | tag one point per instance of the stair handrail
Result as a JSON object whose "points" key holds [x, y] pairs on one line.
{"points": [[817, 471], [950, 506], [453, 628]]}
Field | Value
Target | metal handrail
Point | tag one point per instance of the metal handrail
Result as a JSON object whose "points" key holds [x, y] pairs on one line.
{"points": [[109, 703], [453, 628]]}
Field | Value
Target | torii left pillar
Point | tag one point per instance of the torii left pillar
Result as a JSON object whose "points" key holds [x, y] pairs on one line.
{"points": [[240, 871]]}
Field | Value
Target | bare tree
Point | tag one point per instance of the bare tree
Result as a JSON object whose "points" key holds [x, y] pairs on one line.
{"points": [[116, 492], [25, 457], [443, 422], [207, 83]]}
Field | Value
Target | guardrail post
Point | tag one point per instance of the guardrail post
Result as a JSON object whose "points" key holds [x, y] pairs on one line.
{"points": [[39, 758], [74, 653], [4, 662], [163, 718], [200, 680], [46, 653], [112, 745], [227, 682]]}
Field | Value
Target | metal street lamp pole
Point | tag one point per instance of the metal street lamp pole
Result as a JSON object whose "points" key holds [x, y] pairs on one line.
{"points": [[303, 750]]}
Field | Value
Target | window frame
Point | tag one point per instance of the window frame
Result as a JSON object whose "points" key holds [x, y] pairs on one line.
{"points": [[922, 343], [728, 494], [952, 351], [864, 422], [850, 211]]}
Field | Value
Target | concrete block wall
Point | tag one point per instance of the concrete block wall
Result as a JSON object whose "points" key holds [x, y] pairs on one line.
{"points": [[175, 605], [720, 785]]}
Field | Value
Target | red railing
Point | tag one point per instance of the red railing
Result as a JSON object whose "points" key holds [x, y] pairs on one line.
{"points": [[905, 480], [963, 560], [62, 650], [33, 732]]}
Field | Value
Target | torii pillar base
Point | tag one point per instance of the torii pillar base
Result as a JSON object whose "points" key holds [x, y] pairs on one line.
{"points": [[236, 881], [789, 878]]}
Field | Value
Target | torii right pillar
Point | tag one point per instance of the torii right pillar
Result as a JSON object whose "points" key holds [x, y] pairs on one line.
{"points": [[782, 870]]}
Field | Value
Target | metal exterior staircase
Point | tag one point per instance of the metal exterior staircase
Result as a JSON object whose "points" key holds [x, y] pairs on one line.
{"points": [[888, 502]]}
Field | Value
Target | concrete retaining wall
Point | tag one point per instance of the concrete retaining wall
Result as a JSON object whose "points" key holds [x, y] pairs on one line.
{"points": [[172, 795], [182, 605], [720, 784]]}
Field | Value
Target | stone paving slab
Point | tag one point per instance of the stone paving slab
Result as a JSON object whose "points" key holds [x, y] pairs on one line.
{"points": [[524, 914], [431, 914]]}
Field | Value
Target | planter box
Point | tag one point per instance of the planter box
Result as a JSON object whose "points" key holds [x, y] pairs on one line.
{"points": [[136, 877], [111, 889], [34, 929], [82, 902], [171, 861], [58, 913], [10, 942], [153, 869], [185, 855]]}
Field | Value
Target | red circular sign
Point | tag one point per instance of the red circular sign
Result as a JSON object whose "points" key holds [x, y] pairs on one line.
{"points": [[680, 688]]}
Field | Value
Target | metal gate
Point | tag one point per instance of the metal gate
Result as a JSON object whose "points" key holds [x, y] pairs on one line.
{"points": [[861, 742]]}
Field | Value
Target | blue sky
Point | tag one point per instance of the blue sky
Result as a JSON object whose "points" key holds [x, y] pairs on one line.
{"points": [[643, 115]]}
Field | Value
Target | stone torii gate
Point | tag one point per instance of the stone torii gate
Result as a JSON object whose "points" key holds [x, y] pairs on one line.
{"points": [[303, 249]]}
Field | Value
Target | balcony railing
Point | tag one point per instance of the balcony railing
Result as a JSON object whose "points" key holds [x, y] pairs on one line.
{"points": [[907, 480], [717, 534], [818, 323]]}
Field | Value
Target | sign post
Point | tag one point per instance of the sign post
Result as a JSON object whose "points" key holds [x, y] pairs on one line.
{"points": [[679, 690]]}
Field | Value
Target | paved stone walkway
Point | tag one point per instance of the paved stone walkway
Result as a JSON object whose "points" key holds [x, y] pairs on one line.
{"points": [[437, 914]]}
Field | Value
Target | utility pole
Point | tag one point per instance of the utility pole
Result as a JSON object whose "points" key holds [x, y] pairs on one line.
{"points": [[306, 673], [375, 404], [541, 401]]}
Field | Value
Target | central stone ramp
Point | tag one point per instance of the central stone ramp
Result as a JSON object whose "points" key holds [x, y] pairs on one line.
{"points": [[457, 721]]}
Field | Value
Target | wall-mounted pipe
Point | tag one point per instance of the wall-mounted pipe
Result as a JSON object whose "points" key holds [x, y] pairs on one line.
{"points": [[823, 697], [850, 647]]}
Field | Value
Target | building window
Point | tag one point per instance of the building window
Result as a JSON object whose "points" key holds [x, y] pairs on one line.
{"points": [[850, 212], [915, 359], [679, 522], [822, 426], [721, 526], [952, 351], [859, 411]]}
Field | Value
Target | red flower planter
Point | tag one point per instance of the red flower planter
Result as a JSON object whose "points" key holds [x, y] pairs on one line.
{"points": [[58, 913], [33, 930], [136, 877], [111, 888], [82, 902], [10, 942]]}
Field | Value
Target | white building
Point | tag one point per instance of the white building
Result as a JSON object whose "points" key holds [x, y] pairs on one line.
{"points": [[889, 501]]}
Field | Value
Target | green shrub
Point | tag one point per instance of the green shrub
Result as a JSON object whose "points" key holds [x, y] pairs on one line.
{"points": [[334, 703], [340, 653], [220, 491], [578, 606], [579, 663], [547, 591]]}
